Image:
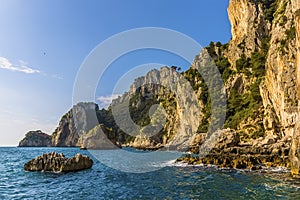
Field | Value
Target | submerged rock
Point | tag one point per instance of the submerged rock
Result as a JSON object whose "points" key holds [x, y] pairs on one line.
{"points": [[57, 162]]}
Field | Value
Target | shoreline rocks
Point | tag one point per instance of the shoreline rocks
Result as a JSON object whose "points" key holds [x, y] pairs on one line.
{"points": [[57, 162], [230, 152]]}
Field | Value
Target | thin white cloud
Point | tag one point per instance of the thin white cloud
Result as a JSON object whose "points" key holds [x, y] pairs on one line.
{"points": [[56, 76], [105, 101], [21, 67]]}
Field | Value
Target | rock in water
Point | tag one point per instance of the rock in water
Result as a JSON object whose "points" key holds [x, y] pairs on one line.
{"points": [[57, 162], [36, 139]]}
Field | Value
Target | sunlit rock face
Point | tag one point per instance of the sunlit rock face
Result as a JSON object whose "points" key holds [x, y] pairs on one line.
{"points": [[36, 139], [57, 162], [75, 123], [248, 28], [295, 150]]}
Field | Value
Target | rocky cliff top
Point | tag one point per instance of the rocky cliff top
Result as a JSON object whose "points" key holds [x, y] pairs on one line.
{"points": [[36, 139]]}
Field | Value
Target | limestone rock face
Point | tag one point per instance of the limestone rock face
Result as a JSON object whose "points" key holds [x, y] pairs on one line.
{"points": [[143, 143], [79, 127], [35, 139], [279, 113], [295, 149], [229, 152], [100, 137], [79, 120], [279, 89], [264, 85], [221, 139], [172, 124], [55, 162], [248, 28]]}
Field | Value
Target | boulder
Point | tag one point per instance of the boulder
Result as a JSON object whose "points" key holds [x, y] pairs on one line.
{"points": [[57, 162], [100, 137]]}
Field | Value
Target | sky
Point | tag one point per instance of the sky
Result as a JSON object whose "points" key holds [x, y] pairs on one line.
{"points": [[44, 43]]}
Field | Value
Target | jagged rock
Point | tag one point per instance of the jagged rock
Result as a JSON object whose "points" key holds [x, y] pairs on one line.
{"points": [[57, 162], [238, 82], [79, 124], [141, 143], [227, 138], [248, 27], [294, 153], [100, 137], [279, 91], [35, 139], [217, 142], [227, 153], [166, 88], [79, 120]]}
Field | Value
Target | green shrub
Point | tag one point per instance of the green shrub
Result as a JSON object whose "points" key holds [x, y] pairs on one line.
{"points": [[269, 7], [257, 62], [242, 63], [291, 33]]}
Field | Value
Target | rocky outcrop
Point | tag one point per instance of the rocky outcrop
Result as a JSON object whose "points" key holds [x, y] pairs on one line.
{"points": [[167, 93], [263, 36], [229, 152], [100, 137], [249, 28], [55, 162], [79, 127], [36, 139], [78, 121], [279, 88], [295, 149]]}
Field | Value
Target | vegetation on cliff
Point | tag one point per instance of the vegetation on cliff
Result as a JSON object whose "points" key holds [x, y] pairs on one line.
{"points": [[35, 139], [257, 68]]}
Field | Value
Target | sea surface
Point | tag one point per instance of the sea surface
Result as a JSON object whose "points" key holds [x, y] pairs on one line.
{"points": [[103, 182]]}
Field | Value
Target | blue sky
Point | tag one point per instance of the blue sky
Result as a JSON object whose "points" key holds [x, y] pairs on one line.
{"points": [[43, 44]]}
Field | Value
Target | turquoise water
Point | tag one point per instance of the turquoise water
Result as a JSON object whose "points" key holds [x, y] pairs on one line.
{"points": [[102, 182]]}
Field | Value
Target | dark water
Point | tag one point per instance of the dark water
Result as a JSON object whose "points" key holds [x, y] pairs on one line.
{"points": [[102, 182]]}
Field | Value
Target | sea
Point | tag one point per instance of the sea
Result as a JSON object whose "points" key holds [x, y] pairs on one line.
{"points": [[165, 180]]}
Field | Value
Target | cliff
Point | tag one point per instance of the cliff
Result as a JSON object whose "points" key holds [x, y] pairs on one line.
{"points": [[170, 124], [100, 137], [79, 127], [249, 28], [76, 122], [261, 86], [36, 139], [166, 108], [294, 153]]}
